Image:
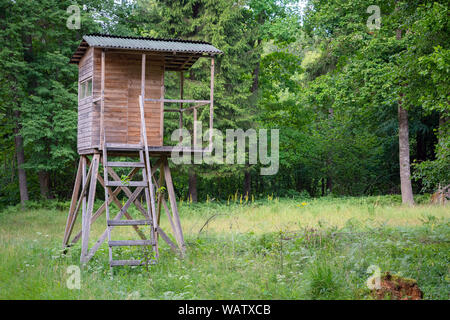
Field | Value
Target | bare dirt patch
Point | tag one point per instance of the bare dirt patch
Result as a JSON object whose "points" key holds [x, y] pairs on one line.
{"points": [[397, 288]]}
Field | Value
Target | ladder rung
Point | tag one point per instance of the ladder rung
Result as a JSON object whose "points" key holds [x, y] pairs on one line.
{"points": [[115, 263], [126, 184], [118, 243], [128, 222], [122, 147], [126, 164]]}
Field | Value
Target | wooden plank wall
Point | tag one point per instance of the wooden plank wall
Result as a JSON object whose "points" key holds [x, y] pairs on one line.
{"points": [[154, 73], [85, 108], [96, 90], [116, 98], [122, 90]]}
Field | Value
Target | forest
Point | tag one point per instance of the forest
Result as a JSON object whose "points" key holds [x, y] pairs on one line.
{"points": [[358, 89]]}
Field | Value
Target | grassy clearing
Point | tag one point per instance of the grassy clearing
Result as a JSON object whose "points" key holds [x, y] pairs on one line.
{"points": [[278, 249]]}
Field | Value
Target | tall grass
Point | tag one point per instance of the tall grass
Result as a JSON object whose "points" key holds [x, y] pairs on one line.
{"points": [[266, 249]]}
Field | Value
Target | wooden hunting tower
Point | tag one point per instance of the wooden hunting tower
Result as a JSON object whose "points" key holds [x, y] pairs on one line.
{"points": [[121, 106]]}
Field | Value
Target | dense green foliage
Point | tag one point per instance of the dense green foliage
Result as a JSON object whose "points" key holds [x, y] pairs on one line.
{"points": [[320, 75]]}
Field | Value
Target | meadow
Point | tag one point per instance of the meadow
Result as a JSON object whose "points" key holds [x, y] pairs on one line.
{"points": [[265, 249]]}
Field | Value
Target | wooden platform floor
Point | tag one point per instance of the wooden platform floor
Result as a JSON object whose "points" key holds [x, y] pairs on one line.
{"points": [[132, 149]]}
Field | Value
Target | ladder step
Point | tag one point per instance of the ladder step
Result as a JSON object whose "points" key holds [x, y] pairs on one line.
{"points": [[126, 184], [128, 222], [126, 164], [115, 263], [123, 147], [118, 243]]}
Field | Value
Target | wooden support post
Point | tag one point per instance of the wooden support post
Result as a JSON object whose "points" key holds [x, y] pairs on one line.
{"points": [[173, 204], [162, 201], [144, 156], [84, 180], [143, 76], [82, 199], [102, 101], [159, 185], [143, 63], [72, 215], [211, 105], [105, 186], [161, 129], [194, 144], [150, 211], [148, 171], [181, 103], [86, 218]]}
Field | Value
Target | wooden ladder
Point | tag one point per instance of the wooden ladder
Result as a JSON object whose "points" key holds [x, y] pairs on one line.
{"points": [[140, 186], [146, 185]]}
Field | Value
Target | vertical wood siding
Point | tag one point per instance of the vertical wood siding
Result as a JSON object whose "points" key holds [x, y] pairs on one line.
{"points": [[85, 109]]}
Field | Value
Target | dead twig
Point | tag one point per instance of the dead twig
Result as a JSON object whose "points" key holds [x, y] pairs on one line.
{"points": [[208, 220]]}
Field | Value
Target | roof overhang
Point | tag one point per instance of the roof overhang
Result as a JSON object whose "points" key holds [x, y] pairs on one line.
{"points": [[179, 54]]}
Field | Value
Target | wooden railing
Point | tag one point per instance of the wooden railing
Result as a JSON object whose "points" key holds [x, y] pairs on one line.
{"points": [[199, 104]]}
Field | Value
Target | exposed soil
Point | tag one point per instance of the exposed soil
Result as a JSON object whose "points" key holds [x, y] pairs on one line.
{"points": [[397, 288]]}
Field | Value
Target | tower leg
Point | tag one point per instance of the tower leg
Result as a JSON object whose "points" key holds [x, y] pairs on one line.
{"points": [[73, 204], [87, 214], [81, 203], [173, 204]]}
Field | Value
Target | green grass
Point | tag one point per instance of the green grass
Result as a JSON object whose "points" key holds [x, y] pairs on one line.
{"points": [[277, 249]]}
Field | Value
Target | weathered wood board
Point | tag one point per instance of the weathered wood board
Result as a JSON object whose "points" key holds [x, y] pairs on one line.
{"points": [[121, 99]]}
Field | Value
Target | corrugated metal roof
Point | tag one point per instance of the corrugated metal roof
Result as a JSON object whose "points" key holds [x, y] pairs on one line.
{"points": [[152, 44], [171, 46]]}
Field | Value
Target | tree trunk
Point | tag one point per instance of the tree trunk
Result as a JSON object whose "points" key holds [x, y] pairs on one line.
{"points": [[299, 183], [192, 185], [44, 184], [20, 156], [247, 183], [403, 143], [329, 184], [405, 171]]}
